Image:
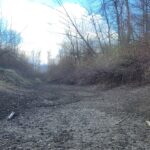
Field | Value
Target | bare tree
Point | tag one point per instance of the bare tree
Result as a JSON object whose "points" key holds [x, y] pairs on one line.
{"points": [[104, 9], [35, 55], [129, 26], [97, 32], [89, 48]]}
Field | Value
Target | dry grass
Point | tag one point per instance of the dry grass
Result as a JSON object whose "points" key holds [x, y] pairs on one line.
{"points": [[118, 66]]}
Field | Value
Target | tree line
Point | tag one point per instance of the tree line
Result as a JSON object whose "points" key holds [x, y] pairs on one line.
{"points": [[118, 47]]}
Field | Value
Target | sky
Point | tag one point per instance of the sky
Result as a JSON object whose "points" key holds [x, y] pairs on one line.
{"points": [[40, 24]]}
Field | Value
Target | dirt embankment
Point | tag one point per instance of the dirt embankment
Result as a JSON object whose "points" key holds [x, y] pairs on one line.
{"points": [[59, 117]]}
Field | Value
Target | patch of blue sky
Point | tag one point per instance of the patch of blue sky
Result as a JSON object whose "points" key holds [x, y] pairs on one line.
{"points": [[87, 4]]}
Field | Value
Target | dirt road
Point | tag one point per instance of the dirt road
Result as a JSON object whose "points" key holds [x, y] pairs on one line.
{"points": [[53, 117]]}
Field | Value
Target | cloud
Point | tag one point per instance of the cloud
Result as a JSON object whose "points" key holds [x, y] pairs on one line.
{"points": [[42, 27], [39, 25]]}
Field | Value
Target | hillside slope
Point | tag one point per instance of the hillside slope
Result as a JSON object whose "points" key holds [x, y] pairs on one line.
{"points": [[12, 91]]}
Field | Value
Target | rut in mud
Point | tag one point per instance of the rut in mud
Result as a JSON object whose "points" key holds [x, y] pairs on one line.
{"points": [[62, 117]]}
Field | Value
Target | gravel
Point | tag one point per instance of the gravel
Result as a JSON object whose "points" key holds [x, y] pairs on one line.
{"points": [[59, 117]]}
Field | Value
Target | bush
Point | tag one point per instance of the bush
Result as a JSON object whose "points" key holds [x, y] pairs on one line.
{"points": [[111, 68], [18, 62]]}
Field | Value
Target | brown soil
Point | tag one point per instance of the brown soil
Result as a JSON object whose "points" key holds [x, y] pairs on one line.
{"points": [[58, 117]]}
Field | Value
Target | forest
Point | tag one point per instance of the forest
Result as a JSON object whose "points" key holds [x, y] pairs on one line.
{"points": [[110, 45], [115, 50]]}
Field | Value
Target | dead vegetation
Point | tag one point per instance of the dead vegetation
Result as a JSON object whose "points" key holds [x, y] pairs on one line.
{"points": [[14, 63], [102, 69], [117, 51]]}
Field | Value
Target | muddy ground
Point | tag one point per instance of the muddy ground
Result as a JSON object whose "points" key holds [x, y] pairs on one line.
{"points": [[58, 117]]}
